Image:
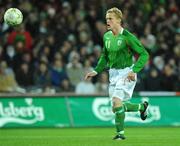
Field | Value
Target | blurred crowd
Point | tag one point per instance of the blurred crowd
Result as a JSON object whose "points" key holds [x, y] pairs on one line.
{"points": [[59, 41]]}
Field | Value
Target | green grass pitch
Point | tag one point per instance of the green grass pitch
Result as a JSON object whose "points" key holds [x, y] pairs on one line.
{"points": [[139, 136]]}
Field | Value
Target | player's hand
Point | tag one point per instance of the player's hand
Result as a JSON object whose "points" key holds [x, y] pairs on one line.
{"points": [[90, 75], [131, 76]]}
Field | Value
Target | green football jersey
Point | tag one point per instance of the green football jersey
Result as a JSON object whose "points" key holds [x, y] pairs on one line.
{"points": [[118, 52]]}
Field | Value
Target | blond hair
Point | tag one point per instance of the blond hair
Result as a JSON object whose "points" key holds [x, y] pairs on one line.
{"points": [[116, 11]]}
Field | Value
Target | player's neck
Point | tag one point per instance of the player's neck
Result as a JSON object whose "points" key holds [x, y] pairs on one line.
{"points": [[117, 30]]}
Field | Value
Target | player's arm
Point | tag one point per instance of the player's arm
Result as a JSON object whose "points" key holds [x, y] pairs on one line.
{"points": [[102, 62], [136, 45]]}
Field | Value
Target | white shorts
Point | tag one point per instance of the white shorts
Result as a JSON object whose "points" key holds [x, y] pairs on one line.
{"points": [[119, 86]]}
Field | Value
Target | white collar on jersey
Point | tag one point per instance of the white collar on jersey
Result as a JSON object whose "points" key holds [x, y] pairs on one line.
{"points": [[121, 30]]}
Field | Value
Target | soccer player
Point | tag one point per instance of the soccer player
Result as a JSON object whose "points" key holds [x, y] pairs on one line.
{"points": [[118, 50]]}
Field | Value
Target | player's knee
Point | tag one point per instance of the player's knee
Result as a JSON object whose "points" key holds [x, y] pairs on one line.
{"points": [[117, 102]]}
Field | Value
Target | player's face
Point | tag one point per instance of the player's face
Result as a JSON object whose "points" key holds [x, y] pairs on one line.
{"points": [[111, 21]]}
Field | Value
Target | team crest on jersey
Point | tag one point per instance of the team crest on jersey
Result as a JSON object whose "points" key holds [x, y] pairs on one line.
{"points": [[119, 42]]}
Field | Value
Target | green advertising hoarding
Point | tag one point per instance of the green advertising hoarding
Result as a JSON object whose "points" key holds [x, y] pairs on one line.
{"points": [[162, 111], [33, 112], [83, 111]]}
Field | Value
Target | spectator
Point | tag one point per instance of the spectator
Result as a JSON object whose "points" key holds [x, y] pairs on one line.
{"points": [[154, 80], [21, 35], [58, 73], [74, 69], [85, 87], [42, 76], [102, 84], [66, 86], [7, 79], [24, 76], [9, 55], [169, 78]]}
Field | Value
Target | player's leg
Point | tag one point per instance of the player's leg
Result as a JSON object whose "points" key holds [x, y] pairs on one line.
{"points": [[117, 95], [118, 109], [128, 87], [133, 107], [143, 112]]}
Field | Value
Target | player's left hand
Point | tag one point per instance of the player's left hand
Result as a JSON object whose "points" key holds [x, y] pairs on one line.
{"points": [[131, 76]]}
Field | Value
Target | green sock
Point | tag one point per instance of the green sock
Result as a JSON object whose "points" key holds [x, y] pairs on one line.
{"points": [[133, 107], [119, 119]]}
